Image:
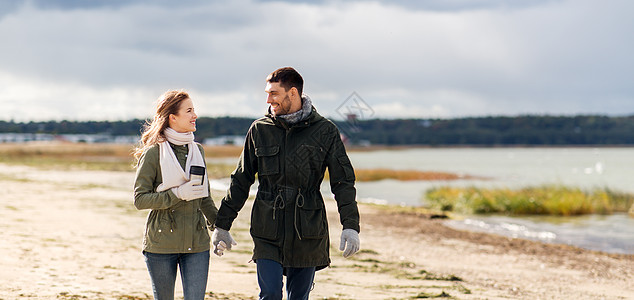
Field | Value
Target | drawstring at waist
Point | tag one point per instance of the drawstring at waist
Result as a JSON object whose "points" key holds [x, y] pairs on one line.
{"points": [[172, 221], [300, 205], [278, 202]]}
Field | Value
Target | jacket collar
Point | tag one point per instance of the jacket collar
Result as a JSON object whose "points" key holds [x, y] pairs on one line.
{"points": [[312, 118]]}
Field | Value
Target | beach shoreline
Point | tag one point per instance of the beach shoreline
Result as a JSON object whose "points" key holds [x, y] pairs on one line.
{"points": [[75, 234]]}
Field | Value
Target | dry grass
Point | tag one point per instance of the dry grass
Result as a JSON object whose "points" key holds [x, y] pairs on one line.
{"points": [[223, 151], [64, 149], [111, 157], [119, 157], [404, 175]]}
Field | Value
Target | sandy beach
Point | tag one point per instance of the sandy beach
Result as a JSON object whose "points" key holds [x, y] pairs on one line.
{"points": [[75, 234]]}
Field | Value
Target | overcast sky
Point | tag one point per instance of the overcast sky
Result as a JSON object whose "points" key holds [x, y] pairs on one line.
{"points": [[111, 59]]}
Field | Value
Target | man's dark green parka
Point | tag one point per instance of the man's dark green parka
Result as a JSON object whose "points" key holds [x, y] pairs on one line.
{"points": [[288, 219]]}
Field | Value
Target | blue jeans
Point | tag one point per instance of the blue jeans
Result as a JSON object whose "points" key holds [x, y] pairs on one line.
{"points": [[299, 281], [194, 269]]}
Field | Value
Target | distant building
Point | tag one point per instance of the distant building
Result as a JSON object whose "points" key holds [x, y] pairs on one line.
{"points": [[25, 137], [224, 140], [73, 138], [352, 118]]}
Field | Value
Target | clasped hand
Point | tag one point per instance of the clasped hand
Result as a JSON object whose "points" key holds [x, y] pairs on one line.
{"points": [[222, 240]]}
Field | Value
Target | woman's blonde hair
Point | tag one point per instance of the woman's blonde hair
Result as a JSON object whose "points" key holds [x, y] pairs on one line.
{"points": [[152, 133]]}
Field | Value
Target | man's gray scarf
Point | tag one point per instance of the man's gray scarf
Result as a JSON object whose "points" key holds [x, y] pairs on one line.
{"points": [[300, 115]]}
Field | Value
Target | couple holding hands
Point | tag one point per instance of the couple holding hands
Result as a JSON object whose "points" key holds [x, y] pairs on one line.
{"points": [[289, 149]]}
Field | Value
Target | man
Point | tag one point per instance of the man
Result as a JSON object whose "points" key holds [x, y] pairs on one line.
{"points": [[290, 149]]}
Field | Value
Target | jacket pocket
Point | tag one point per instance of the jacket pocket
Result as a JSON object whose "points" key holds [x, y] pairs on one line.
{"points": [[153, 228], [268, 159], [346, 165], [201, 236], [312, 221], [263, 223]]}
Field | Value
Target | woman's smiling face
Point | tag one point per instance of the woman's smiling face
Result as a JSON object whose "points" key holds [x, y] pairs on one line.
{"points": [[185, 119]]}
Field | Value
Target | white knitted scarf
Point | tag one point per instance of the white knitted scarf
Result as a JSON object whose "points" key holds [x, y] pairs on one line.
{"points": [[172, 173]]}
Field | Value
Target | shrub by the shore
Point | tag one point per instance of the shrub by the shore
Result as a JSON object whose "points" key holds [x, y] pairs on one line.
{"points": [[541, 200]]}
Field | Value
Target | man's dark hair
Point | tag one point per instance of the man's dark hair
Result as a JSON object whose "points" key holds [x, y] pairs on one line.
{"points": [[288, 78]]}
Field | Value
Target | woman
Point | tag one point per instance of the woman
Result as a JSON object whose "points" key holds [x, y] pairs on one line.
{"points": [[181, 209]]}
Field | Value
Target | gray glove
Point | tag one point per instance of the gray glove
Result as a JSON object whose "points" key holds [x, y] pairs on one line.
{"points": [[222, 240], [350, 242], [189, 191]]}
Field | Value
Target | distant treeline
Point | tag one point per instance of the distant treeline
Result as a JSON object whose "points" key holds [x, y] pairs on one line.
{"points": [[492, 131], [477, 131], [206, 127]]}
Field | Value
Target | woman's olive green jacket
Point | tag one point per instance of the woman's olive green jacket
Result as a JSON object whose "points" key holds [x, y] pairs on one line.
{"points": [[173, 225], [288, 219]]}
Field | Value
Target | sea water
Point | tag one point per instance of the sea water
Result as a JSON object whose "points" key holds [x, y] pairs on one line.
{"points": [[586, 168]]}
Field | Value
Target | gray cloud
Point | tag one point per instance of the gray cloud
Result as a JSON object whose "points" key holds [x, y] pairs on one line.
{"points": [[406, 58], [436, 5]]}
